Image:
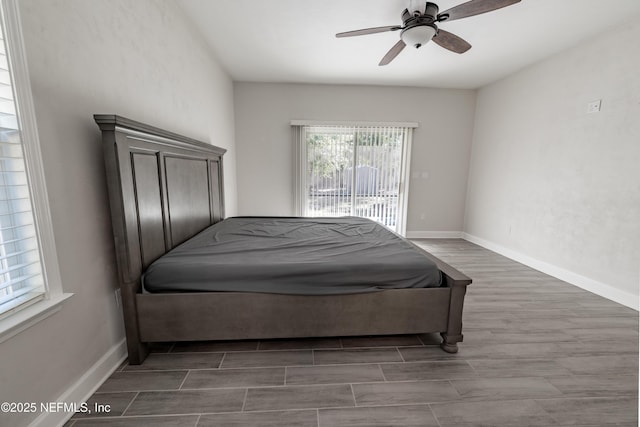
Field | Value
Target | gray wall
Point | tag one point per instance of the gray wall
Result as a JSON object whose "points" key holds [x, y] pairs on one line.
{"points": [[136, 58], [557, 185], [441, 145]]}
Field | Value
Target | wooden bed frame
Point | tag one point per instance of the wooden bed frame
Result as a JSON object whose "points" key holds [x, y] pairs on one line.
{"points": [[163, 189]]}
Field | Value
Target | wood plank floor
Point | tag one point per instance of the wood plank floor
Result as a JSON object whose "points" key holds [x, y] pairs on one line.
{"points": [[536, 352]]}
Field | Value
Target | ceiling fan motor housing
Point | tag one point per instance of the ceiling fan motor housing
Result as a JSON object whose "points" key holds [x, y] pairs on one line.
{"points": [[420, 28]]}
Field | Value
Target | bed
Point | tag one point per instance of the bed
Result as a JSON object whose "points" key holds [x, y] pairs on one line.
{"points": [[166, 192]]}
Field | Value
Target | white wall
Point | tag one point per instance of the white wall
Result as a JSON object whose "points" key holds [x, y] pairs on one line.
{"points": [[136, 58], [441, 145], [554, 185]]}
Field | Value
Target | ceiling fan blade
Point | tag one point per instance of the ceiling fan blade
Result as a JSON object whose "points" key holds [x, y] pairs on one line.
{"points": [[451, 42], [393, 52], [366, 31], [474, 7]]}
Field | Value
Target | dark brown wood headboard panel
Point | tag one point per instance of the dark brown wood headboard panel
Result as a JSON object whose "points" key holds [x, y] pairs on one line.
{"points": [[163, 189]]}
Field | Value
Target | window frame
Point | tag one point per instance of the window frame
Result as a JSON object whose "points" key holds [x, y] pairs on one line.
{"points": [[24, 317]]}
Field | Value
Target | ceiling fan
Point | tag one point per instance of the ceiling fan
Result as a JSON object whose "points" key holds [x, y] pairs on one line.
{"points": [[418, 27]]}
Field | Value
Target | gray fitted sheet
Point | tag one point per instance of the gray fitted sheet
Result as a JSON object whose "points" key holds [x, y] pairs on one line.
{"points": [[298, 256]]}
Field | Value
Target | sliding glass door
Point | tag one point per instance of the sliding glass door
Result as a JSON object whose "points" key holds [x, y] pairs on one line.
{"points": [[354, 170]]}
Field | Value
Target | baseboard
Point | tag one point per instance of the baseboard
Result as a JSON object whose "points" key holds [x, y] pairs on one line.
{"points": [[84, 388], [591, 285], [434, 234]]}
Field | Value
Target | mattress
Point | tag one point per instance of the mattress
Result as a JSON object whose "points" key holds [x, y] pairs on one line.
{"points": [[297, 256]]}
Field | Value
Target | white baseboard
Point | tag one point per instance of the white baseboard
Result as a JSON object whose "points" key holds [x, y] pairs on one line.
{"points": [[607, 291], [434, 234], [84, 388]]}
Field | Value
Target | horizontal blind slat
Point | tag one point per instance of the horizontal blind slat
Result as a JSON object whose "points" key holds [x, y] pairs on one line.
{"points": [[15, 227], [26, 297], [6, 242], [18, 280], [17, 267], [16, 254], [14, 295]]}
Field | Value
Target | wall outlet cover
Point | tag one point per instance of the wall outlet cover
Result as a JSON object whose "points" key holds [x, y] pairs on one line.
{"points": [[594, 106]]}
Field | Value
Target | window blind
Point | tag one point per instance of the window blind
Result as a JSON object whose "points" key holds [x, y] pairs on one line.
{"points": [[352, 170], [21, 278]]}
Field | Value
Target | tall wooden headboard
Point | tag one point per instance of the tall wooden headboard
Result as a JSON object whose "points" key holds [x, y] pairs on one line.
{"points": [[163, 189]]}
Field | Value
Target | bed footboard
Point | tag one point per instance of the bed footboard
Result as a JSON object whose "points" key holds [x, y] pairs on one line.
{"points": [[237, 316], [457, 282]]}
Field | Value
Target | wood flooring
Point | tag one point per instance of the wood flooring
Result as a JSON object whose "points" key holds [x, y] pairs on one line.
{"points": [[536, 352]]}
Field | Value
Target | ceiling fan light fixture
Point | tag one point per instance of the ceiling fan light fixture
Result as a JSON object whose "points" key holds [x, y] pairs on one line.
{"points": [[418, 35]]}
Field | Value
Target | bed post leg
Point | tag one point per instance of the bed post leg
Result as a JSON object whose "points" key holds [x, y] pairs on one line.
{"points": [[450, 344], [137, 349], [453, 334]]}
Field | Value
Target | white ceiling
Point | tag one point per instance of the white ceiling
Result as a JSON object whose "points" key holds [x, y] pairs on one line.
{"points": [[294, 40]]}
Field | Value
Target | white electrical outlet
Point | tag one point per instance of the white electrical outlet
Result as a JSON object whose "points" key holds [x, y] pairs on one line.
{"points": [[594, 106]]}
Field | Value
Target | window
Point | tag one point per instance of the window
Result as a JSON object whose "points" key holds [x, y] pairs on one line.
{"points": [[29, 278], [353, 169], [20, 271]]}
